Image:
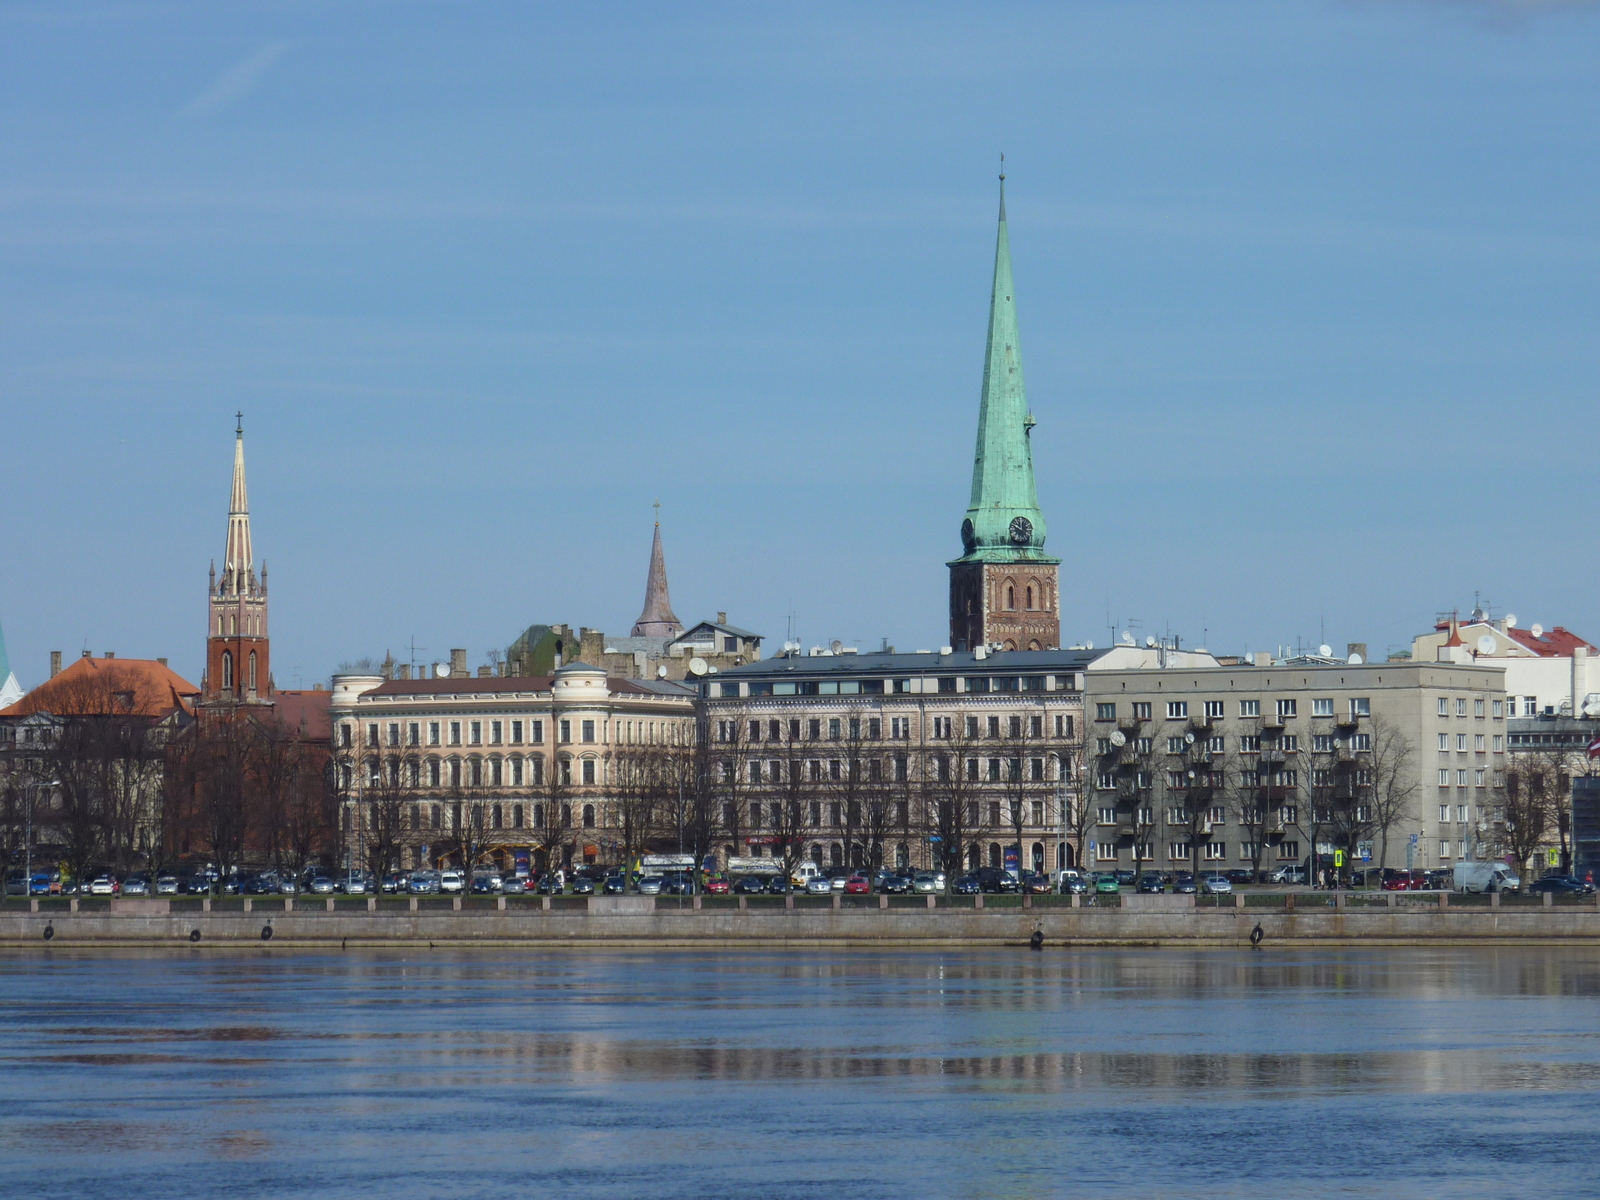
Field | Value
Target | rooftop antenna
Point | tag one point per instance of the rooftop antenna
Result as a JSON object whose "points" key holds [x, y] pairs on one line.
{"points": [[414, 649], [657, 507]]}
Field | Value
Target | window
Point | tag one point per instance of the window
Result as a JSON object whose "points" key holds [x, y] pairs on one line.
{"points": [[1143, 745], [516, 774], [1479, 743], [1176, 745], [455, 733], [566, 731], [536, 773], [1444, 777], [1177, 710], [1036, 770], [372, 734], [1322, 743], [1141, 710], [1461, 742], [1289, 850], [1444, 743], [1106, 781], [1249, 708], [874, 729], [1461, 706], [1361, 741], [1360, 706], [1530, 706], [1322, 708], [1178, 851], [1477, 708], [1479, 777], [475, 732], [1444, 812], [344, 735], [1216, 851], [1286, 708], [393, 733], [1444, 849], [1108, 816], [941, 727], [1497, 708], [588, 770], [1105, 852], [1036, 726], [588, 731], [994, 727], [1289, 814], [1250, 744], [536, 732], [1105, 712], [899, 728], [413, 734], [1290, 743], [494, 733], [1444, 706], [1499, 744], [1461, 777]]}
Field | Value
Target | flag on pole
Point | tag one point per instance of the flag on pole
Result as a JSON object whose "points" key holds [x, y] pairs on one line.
{"points": [[1594, 746]]}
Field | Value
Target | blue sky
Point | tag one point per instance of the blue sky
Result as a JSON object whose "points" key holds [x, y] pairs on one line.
{"points": [[1307, 295]]}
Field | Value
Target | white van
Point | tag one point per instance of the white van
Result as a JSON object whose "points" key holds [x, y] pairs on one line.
{"points": [[804, 870], [1485, 877]]}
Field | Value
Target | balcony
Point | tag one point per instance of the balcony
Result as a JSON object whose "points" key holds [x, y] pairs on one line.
{"points": [[1347, 720], [1272, 721], [1343, 754], [1198, 721], [1129, 722], [1127, 756]]}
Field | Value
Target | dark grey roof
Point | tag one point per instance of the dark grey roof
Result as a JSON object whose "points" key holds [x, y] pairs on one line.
{"points": [[960, 662], [733, 629], [663, 687]]}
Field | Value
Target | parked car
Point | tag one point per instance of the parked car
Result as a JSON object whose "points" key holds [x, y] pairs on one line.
{"points": [[819, 885], [996, 881], [582, 885], [1036, 884], [1074, 884], [1109, 883], [1216, 884], [615, 885], [896, 884], [1562, 885], [322, 885], [1126, 878], [1287, 875], [102, 885], [718, 885], [750, 885], [779, 885], [354, 883], [925, 883], [967, 885], [1151, 884], [857, 885], [677, 883], [1183, 884], [550, 884], [1241, 876], [452, 883], [649, 885], [485, 883], [136, 885]]}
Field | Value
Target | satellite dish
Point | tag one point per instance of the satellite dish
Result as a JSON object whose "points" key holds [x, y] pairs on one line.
{"points": [[1591, 707], [1325, 651], [1129, 640], [1354, 660], [697, 666], [661, 672], [1511, 620], [1536, 629], [1150, 641], [1486, 644], [1118, 738], [440, 670], [1189, 737], [836, 645], [1088, 645]]}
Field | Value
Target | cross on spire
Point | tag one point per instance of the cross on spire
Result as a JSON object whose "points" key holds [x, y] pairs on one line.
{"points": [[238, 427]]}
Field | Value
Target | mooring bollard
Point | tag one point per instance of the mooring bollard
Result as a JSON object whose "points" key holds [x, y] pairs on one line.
{"points": [[836, 899], [883, 900], [933, 901], [697, 903], [1494, 899], [744, 903], [72, 905], [1288, 900], [1444, 899], [1238, 899], [455, 903], [33, 905], [372, 904], [977, 900], [1338, 899], [1072, 901], [247, 904], [328, 903], [500, 903], [1027, 900], [544, 903], [205, 905], [288, 904], [412, 903], [1549, 899]]}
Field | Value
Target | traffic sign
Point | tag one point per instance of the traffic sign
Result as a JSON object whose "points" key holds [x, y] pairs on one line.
{"points": [[1338, 858], [1413, 839]]}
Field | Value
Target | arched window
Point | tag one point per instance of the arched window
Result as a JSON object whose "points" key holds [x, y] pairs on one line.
{"points": [[1030, 599], [836, 854], [252, 670], [477, 772], [494, 817], [516, 816], [588, 816], [994, 854], [438, 816], [1011, 597], [538, 816], [566, 816], [227, 670]]}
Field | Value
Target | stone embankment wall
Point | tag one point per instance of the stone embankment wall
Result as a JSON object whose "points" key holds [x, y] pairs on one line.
{"points": [[641, 921]]}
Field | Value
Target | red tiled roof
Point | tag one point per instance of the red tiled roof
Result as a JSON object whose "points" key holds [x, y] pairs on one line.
{"points": [[109, 687], [1555, 643]]}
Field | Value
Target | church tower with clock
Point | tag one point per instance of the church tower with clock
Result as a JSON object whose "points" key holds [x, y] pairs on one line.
{"points": [[1004, 589]]}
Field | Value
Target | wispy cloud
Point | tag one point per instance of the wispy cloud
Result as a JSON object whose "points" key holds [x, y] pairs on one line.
{"points": [[236, 82]]}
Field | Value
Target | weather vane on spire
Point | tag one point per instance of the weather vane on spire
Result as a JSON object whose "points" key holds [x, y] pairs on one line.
{"points": [[238, 427], [657, 507], [1002, 166]]}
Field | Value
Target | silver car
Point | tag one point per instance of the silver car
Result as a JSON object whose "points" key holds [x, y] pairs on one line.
{"points": [[1216, 885], [649, 885], [821, 885], [925, 883]]}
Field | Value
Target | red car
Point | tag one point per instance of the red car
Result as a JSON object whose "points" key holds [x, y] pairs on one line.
{"points": [[857, 885], [716, 886], [1397, 883]]}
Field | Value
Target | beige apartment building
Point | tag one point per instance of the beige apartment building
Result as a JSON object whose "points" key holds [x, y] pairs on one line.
{"points": [[1257, 766], [494, 769], [952, 756]]}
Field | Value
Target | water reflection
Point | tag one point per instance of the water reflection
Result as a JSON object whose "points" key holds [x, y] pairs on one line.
{"points": [[926, 1073]]}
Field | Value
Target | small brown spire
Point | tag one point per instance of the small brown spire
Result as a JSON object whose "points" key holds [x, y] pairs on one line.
{"points": [[657, 619]]}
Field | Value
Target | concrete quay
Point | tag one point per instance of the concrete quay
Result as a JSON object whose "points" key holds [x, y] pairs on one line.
{"points": [[635, 922]]}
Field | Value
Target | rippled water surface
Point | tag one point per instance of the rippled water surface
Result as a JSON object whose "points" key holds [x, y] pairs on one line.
{"points": [[788, 1074]]}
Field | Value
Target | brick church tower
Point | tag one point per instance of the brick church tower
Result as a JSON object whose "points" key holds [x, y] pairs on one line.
{"points": [[238, 663], [1004, 590]]}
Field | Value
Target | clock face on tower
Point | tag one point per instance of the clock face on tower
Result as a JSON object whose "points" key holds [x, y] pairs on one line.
{"points": [[967, 538], [1021, 530]]}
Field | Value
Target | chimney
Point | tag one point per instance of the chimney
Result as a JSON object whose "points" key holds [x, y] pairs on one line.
{"points": [[111, 653], [1263, 658], [162, 661], [88, 653], [55, 663], [405, 670], [483, 673], [458, 665], [722, 618]]}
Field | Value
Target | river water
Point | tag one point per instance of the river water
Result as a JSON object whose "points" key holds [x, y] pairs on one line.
{"points": [[640, 1075]]}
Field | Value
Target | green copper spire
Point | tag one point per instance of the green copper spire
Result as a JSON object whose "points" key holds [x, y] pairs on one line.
{"points": [[1003, 522]]}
